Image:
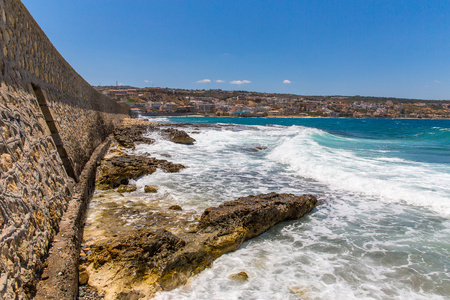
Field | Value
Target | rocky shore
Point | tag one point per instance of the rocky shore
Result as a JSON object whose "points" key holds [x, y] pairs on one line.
{"points": [[120, 260]]}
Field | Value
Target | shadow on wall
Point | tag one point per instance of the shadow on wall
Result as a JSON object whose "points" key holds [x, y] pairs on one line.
{"points": [[43, 105]]}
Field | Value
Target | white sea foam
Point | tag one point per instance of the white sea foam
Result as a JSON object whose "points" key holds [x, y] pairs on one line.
{"points": [[387, 178], [332, 254], [231, 164], [363, 243], [157, 119]]}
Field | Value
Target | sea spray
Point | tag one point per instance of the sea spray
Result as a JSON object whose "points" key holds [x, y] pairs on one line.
{"points": [[373, 175], [382, 231]]}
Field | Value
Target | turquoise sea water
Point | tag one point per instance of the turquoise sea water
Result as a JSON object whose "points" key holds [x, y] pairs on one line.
{"points": [[382, 232]]}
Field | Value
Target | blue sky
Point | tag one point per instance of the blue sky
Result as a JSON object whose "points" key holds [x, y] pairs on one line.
{"points": [[314, 47]]}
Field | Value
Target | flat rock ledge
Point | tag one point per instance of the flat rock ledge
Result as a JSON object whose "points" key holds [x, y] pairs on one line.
{"points": [[141, 263]]}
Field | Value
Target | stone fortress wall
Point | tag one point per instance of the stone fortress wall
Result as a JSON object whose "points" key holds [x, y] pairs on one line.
{"points": [[51, 121]]}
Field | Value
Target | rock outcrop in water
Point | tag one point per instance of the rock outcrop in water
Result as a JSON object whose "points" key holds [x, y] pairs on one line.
{"points": [[128, 135], [118, 169], [138, 264], [177, 136]]}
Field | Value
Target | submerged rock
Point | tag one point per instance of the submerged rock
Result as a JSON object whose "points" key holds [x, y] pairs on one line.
{"points": [[241, 276], [143, 262], [258, 148], [119, 169], [177, 136], [150, 189]]}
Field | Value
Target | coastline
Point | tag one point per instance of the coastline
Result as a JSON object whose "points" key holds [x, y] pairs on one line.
{"points": [[134, 247], [286, 117], [228, 160]]}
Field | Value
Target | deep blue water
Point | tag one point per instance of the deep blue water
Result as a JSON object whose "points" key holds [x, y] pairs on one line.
{"points": [[422, 140]]}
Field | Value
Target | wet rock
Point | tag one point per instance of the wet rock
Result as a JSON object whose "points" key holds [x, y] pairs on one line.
{"points": [[177, 136], [145, 261], [117, 170], [241, 276], [175, 207], [250, 216], [150, 189], [170, 167], [83, 276], [128, 135], [133, 295], [258, 148], [300, 292], [126, 188]]}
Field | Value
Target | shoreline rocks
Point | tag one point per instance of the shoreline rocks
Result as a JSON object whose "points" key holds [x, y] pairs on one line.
{"points": [[126, 188], [143, 262], [126, 136], [117, 170], [177, 136], [135, 261], [241, 276], [150, 189]]}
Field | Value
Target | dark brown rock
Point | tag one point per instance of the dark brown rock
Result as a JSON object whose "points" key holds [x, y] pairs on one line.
{"points": [[150, 189], [118, 170], [128, 135], [126, 188], [177, 136], [175, 207], [255, 214]]}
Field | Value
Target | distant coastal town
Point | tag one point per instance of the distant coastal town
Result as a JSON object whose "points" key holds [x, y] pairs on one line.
{"points": [[167, 101]]}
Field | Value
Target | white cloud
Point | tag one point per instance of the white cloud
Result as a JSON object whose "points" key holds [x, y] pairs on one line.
{"points": [[287, 81], [219, 81], [239, 82], [146, 81], [437, 81], [204, 81]]}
